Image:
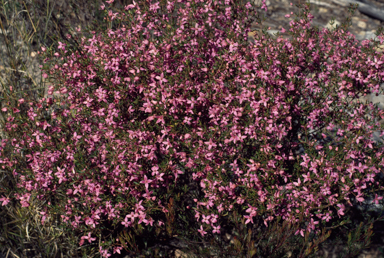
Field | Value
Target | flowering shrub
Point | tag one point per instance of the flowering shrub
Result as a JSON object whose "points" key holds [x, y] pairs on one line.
{"points": [[163, 97]]}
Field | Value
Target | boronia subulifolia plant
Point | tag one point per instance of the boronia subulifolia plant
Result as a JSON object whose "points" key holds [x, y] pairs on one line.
{"points": [[176, 97]]}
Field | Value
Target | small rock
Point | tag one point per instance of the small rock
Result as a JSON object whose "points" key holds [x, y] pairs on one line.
{"points": [[380, 48], [259, 2], [333, 26], [362, 24], [322, 10], [181, 254]]}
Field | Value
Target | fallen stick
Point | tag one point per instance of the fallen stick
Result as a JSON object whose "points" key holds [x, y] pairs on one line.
{"points": [[363, 8]]}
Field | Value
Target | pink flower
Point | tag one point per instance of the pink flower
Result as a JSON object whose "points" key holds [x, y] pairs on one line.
{"points": [[359, 198], [327, 217], [376, 200], [149, 221], [210, 144], [376, 63], [206, 219], [146, 181], [311, 225], [301, 231], [341, 211], [249, 219], [104, 253], [117, 249], [252, 210], [370, 177], [214, 218], [61, 45], [161, 78], [160, 177], [142, 218], [201, 230], [90, 239], [5, 200], [216, 229], [44, 217]]}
